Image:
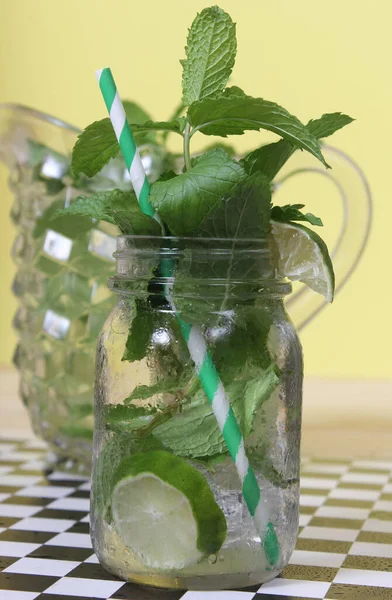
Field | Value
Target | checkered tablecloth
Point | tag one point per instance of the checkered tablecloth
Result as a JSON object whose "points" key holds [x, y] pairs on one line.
{"points": [[344, 549]]}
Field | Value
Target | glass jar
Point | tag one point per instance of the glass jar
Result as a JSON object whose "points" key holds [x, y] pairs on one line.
{"points": [[168, 508]]}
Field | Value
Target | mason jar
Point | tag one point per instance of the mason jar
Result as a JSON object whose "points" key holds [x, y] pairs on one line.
{"points": [[169, 508]]}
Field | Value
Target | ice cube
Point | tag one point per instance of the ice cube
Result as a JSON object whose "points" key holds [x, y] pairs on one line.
{"points": [[57, 246], [55, 325], [53, 168]]}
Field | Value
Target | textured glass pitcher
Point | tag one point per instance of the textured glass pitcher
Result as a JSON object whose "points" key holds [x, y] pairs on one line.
{"points": [[63, 267]]}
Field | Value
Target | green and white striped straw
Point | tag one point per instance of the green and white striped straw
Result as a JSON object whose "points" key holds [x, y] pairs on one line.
{"points": [[198, 351]]}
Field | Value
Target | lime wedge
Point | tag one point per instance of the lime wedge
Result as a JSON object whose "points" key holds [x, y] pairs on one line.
{"points": [[303, 256], [164, 511]]}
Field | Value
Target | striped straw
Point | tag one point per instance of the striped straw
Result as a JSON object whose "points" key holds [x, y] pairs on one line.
{"points": [[198, 351]]}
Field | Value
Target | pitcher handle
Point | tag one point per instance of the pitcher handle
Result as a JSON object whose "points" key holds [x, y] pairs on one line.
{"points": [[354, 191]]}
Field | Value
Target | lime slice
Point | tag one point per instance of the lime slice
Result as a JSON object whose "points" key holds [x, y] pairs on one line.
{"points": [[165, 512], [303, 256]]}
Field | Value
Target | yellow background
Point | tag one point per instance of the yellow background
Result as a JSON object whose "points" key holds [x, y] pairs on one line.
{"points": [[311, 57]]}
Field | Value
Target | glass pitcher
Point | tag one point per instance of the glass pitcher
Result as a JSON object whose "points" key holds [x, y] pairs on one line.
{"points": [[62, 266]]}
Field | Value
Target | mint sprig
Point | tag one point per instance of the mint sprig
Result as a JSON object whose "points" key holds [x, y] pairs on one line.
{"points": [[210, 55], [269, 159], [292, 212], [117, 207], [214, 195], [184, 201], [233, 114]]}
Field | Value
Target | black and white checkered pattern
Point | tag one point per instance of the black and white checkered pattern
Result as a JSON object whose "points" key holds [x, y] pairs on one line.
{"points": [[344, 548]]}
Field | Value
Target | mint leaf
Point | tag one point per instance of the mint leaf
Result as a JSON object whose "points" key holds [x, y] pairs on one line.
{"points": [[126, 419], [176, 125], [177, 112], [269, 159], [118, 207], [257, 391], [195, 433], [95, 146], [135, 113], [327, 124], [228, 148], [210, 55], [184, 201], [245, 351], [143, 392], [291, 212], [139, 336], [234, 114], [243, 213]]}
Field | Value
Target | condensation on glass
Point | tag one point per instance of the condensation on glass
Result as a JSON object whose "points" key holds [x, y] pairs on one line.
{"points": [[231, 292]]}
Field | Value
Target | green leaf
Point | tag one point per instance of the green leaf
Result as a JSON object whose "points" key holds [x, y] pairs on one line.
{"points": [[210, 55], [243, 213], [327, 124], [135, 113], [95, 146], [143, 392], [234, 114], [177, 112], [139, 336], [184, 201], [126, 419], [118, 207], [176, 125], [269, 159], [245, 351], [257, 391], [195, 433], [291, 212], [228, 148]]}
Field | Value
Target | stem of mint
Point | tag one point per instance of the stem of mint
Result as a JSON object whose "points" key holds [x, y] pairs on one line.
{"points": [[187, 150]]}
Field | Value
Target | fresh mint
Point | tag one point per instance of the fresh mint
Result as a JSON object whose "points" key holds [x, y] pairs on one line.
{"points": [[140, 333], [184, 201], [96, 145], [210, 55], [117, 207], [127, 419], [328, 124], [243, 212], [269, 159], [195, 433], [233, 114], [292, 212], [144, 392]]}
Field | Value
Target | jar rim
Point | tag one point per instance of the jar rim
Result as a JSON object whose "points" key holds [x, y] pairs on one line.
{"points": [[204, 266]]}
